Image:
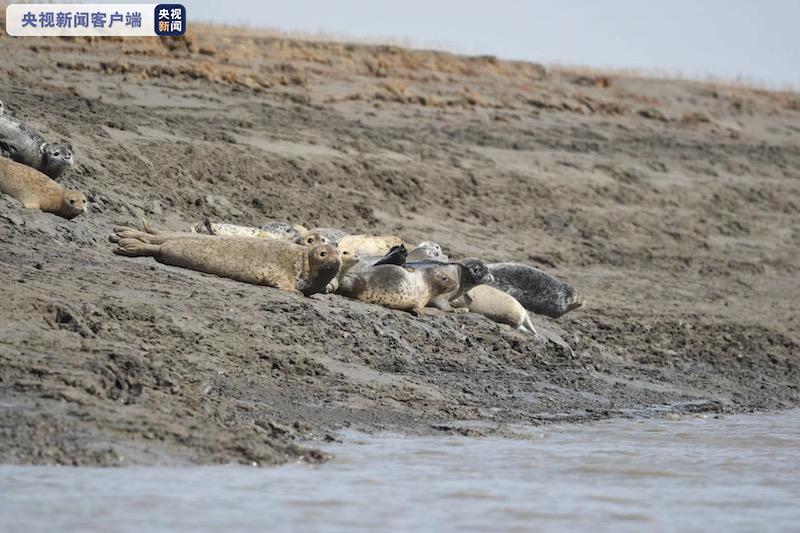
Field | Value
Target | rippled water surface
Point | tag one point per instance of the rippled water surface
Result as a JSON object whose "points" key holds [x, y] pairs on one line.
{"points": [[732, 473]]}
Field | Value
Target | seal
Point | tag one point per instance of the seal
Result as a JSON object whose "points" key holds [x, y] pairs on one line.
{"points": [[428, 250], [36, 191], [273, 230], [537, 291], [349, 264], [327, 235], [468, 272], [496, 305], [202, 229], [24, 145], [398, 288], [368, 245], [273, 263]]}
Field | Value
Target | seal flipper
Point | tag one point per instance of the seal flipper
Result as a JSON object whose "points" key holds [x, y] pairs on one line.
{"points": [[396, 256]]}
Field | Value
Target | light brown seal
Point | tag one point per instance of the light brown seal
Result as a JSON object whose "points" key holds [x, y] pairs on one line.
{"points": [[368, 245], [36, 191], [150, 230], [274, 263], [496, 305], [326, 235], [397, 288]]}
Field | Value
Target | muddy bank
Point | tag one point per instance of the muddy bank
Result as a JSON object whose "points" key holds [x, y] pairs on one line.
{"points": [[671, 205]]}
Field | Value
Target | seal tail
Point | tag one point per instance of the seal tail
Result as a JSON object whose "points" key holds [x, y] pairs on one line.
{"points": [[136, 248]]}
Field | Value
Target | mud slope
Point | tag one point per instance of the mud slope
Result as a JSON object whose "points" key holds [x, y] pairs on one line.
{"points": [[674, 207]]}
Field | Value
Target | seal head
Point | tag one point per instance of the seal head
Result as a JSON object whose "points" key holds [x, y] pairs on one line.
{"points": [[57, 158], [73, 204], [323, 264]]}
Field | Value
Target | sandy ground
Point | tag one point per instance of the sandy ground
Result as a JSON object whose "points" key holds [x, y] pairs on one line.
{"points": [[673, 206]]}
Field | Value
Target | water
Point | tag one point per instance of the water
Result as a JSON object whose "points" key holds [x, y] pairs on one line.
{"points": [[737, 473]]}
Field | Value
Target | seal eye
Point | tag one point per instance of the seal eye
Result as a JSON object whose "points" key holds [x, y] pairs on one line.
{"points": [[310, 240], [72, 202], [323, 254], [345, 253]]}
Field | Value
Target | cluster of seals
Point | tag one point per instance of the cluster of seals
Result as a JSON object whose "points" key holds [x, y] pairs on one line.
{"points": [[34, 190], [536, 290], [23, 144], [376, 269], [270, 262]]}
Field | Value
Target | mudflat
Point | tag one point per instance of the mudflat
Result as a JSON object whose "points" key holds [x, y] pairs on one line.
{"points": [[673, 206]]}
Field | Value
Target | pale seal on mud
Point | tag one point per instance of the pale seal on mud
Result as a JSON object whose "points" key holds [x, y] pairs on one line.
{"points": [[326, 235], [536, 290], [26, 146], [36, 191], [496, 305], [273, 263], [397, 288], [368, 245], [428, 250], [273, 230]]}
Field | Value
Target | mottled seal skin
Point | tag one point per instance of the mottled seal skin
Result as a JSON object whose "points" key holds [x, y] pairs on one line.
{"points": [[397, 288], [367, 245], [24, 145], [468, 272], [537, 291], [273, 230], [428, 250], [37, 191], [205, 227], [327, 235], [273, 263], [284, 230], [496, 305]]}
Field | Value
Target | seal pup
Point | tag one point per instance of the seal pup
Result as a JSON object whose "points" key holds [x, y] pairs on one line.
{"points": [[398, 288], [367, 245], [496, 305], [348, 264], [536, 290], [36, 191], [24, 145], [468, 272], [428, 250], [327, 235], [273, 263]]}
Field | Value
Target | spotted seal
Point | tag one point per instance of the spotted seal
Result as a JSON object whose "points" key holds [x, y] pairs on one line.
{"points": [[24, 145], [272, 230], [37, 191], [327, 235], [398, 288], [468, 272], [537, 291], [428, 250], [273, 263]]}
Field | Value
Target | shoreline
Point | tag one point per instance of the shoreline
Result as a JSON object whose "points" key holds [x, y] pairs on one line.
{"points": [[668, 204]]}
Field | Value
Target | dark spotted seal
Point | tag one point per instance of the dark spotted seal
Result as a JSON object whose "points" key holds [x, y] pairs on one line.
{"points": [[26, 146], [537, 291]]}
